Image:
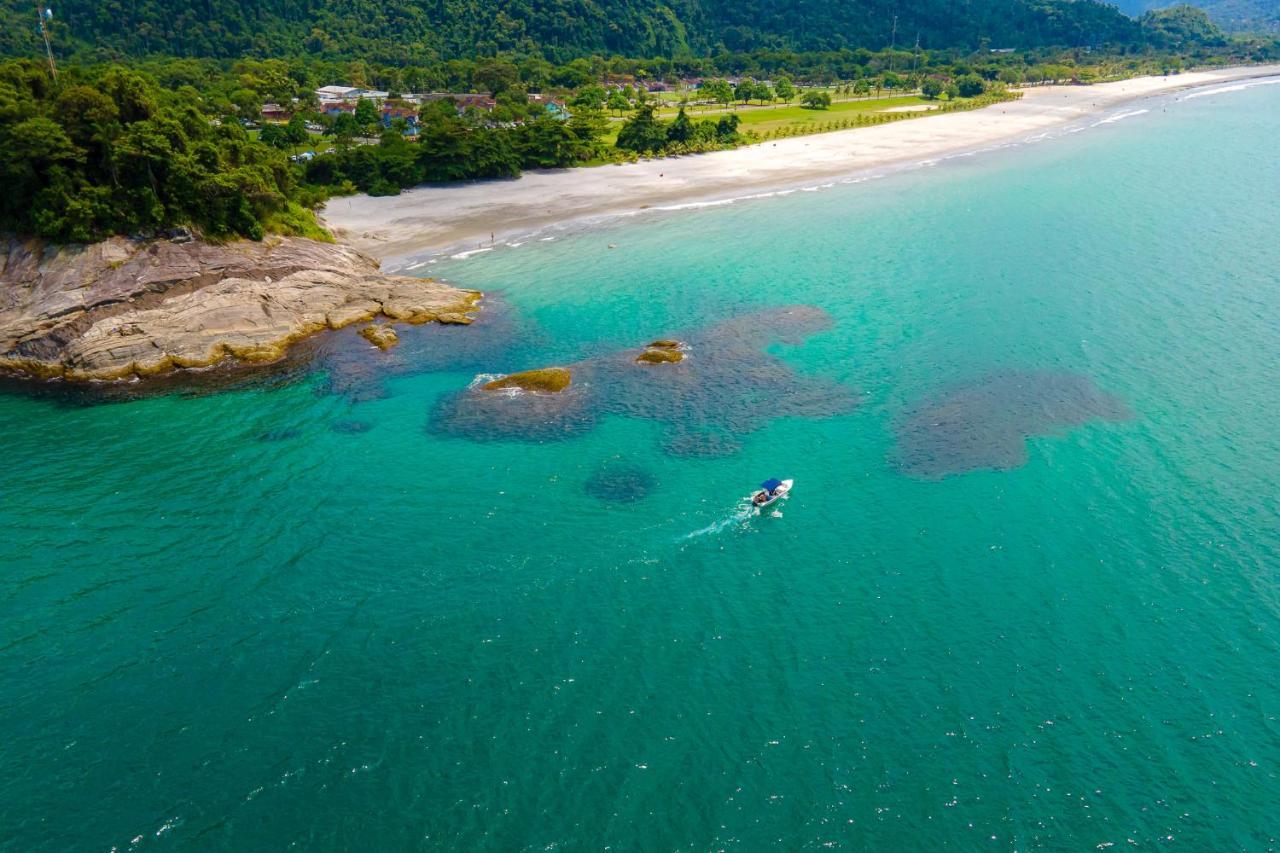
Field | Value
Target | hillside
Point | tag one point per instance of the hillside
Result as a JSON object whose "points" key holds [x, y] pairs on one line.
{"points": [[423, 30], [1231, 15]]}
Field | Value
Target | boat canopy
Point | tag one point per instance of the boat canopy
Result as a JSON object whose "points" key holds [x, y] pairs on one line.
{"points": [[770, 485]]}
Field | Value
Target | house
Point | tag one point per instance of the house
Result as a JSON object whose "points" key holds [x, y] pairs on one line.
{"points": [[554, 106], [338, 93], [464, 100], [394, 112], [274, 112]]}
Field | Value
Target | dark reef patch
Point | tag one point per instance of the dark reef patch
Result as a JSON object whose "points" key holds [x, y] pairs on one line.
{"points": [[985, 424], [619, 481], [351, 427], [730, 387], [514, 415], [280, 434]]}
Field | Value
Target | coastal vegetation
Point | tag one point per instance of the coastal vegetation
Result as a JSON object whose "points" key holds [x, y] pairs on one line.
{"points": [[225, 144], [106, 150]]}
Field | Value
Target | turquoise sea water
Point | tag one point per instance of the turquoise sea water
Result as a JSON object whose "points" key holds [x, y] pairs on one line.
{"points": [[352, 608]]}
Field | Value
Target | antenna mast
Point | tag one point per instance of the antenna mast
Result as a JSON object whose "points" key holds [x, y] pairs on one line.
{"points": [[43, 16]]}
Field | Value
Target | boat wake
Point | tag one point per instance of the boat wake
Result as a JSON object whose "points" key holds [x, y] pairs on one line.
{"points": [[739, 517], [745, 511]]}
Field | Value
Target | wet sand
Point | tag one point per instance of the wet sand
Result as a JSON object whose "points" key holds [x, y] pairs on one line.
{"points": [[470, 216]]}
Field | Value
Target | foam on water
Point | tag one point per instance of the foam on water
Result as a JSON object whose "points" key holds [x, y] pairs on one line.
{"points": [[1235, 87]]}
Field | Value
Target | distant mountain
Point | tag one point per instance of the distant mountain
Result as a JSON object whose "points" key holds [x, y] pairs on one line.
{"points": [[1231, 15], [423, 30]]}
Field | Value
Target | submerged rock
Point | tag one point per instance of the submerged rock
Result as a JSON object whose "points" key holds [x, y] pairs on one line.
{"points": [[707, 405], [281, 434], [700, 443], [985, 424], [547, 380], [382, 336], [137, 308], [351, 427], [618, 481]]}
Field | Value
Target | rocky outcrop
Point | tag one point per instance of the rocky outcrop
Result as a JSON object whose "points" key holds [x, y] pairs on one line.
{"points": [[548, 380], [383, 336], [662, 352], [123, 308]]}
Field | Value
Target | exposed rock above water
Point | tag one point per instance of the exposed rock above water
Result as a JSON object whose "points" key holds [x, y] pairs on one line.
{"points": [[547, 380], [662, 352], [123, 308], [383, 336]]}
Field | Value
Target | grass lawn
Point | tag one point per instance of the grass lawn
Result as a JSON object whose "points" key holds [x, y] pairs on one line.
{"points": [[766, 119]]}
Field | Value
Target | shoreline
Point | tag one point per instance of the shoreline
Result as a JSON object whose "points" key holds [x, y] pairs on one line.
{"points": [[433, 220], [124, 309]]}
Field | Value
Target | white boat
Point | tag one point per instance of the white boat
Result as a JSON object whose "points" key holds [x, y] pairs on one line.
{"points": [[770, 492]]}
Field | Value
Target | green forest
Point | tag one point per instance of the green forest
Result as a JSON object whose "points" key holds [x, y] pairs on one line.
{"points": [[427, 31]]}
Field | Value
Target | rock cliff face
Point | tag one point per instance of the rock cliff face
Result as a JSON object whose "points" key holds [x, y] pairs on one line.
{"points": [[124, 308]]}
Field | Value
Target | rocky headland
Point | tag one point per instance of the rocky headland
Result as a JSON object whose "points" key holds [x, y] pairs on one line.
{"points": [[127, 308]]}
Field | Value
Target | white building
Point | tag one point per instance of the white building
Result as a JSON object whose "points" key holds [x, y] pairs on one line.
{"points": [[338, 93]]}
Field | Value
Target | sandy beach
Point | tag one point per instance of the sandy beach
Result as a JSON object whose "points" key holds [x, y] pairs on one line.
{"points": [[469, 216]]}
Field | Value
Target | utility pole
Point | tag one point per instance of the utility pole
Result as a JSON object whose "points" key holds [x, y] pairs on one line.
{"points": [[43, 16], [893, 41]]}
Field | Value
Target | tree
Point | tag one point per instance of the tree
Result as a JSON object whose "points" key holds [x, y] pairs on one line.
{"points": [[680, 129], [367, 116], [970, 86], [727, 128], [546, 143], [744, 91], [345, 128], [274, 135], [587, 126], [762, 93], [643, 133], [618, 102], [931, 88], [444, 149], [784, 89], [248, 103], [296, 130], [718, 91], [495, 76], [590, 97], [816, 99]]}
